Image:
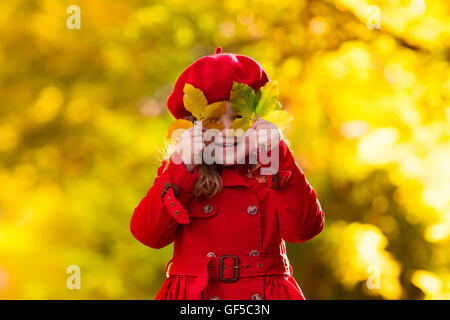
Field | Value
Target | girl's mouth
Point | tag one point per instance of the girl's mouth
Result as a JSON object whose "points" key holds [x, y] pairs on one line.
{"points": [[225, 145], [227, 141]]}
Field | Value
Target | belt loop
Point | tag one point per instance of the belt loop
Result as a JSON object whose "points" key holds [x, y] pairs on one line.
{"points": [[201, 280]]}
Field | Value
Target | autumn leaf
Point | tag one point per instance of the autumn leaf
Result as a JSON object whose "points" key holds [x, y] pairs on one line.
{"points": [[194, 100], [213, 124], [268, 99], [241, 123], [280, 118], [243, 100], [178, 124], [264, 104], [214, 110]]}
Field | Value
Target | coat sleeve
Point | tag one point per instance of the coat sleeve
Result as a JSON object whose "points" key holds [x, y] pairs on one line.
{"points": [[158, 215], [300, 216]]}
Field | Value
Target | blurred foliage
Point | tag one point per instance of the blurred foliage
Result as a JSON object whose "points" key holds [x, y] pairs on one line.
{"points": [[83, 120]]}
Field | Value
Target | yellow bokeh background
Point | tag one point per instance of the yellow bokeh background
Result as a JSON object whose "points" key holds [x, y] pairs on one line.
{"points": [[83, 122]]}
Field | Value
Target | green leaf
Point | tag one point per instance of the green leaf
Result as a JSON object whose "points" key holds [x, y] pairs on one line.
{"points": [[268, 100], [243, 100]]}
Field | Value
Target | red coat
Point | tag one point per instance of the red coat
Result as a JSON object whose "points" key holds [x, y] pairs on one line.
{"points": [[231, 246]]}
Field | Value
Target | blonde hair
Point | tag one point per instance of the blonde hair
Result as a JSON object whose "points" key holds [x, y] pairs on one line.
{"points": [[209, 182]]}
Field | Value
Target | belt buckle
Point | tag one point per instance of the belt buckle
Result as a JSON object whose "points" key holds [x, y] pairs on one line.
{"points": [[235, 267]]}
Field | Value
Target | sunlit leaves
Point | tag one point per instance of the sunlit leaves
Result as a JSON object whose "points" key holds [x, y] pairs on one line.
{"points": [[194, 100], [280, 118], [178, 124], [243, 100], [268, 99], [214, 110], [263, 104], [241, 123], [213, 124], [370, 262]]}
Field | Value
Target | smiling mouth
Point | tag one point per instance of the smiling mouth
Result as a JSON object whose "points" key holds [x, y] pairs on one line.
{"points": [[225, 145], [227, 142]]}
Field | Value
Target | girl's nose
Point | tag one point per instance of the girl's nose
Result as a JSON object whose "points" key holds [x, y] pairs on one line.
{"points": [[226, 122]]}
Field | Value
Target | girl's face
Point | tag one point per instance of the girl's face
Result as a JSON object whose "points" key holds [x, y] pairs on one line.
{"points": [[235, 148]]}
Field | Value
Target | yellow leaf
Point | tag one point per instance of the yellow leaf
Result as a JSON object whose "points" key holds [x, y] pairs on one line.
{"points": [[280, 118], [268, 100], [173, 133], [241, 123], [214, 110], [194, 100], [213, 124]]}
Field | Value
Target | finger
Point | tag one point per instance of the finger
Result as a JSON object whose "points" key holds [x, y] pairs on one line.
{"points": [[197, 139], [198, 132], [198, 149], [257, 123], [187, 133]]}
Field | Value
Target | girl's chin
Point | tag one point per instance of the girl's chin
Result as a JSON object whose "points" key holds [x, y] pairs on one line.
{"points": [[227, 164], [232, 160], [232, 156]]}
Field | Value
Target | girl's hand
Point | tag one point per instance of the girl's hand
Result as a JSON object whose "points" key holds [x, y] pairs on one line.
{"points": [[267, 135], [190, 147]]}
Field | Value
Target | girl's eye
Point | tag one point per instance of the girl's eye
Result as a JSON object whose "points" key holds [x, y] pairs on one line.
{"points": [[238, 116]]}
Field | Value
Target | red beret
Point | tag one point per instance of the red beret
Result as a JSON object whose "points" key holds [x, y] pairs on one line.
{"points": [[214, 75]]}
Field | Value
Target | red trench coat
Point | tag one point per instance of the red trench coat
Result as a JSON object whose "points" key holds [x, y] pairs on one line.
{"points": [[230, 246]]}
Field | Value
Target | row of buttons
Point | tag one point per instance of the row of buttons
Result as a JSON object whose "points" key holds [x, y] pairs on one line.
{"points": [[251, 209], [256, 296]]}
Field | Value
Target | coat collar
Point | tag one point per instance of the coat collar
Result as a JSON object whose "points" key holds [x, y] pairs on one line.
{"points": [[234, 176]]}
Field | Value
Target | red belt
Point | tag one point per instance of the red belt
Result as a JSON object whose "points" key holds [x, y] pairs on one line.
{"points": [[226, 268]]}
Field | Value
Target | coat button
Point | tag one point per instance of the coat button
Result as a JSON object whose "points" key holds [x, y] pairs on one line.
{"points": [[254, 253], [211, 255], [252, 210], [256, 296], [214, 298], [207, 208]]}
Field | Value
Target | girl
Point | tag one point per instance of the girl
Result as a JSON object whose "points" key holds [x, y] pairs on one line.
{"points": [[229, 220]]}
